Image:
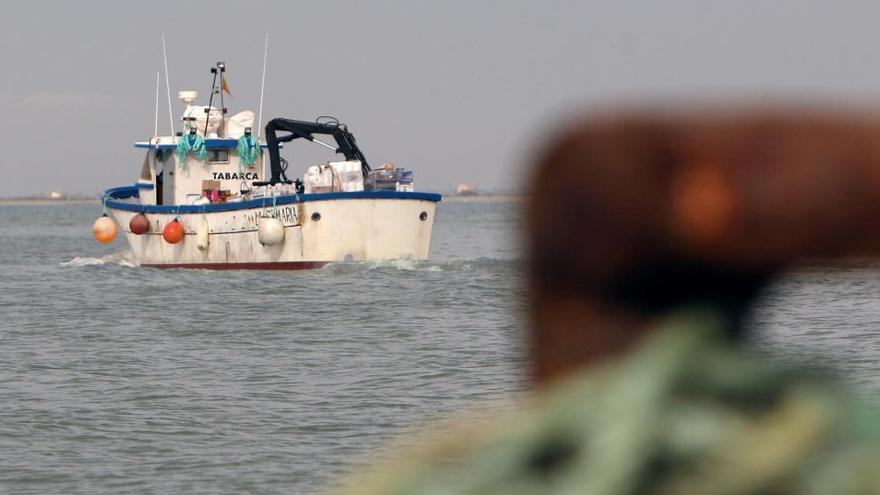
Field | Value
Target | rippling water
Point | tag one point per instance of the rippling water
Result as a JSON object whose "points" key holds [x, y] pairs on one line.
{"points": [[116, 379], [826, 316]]}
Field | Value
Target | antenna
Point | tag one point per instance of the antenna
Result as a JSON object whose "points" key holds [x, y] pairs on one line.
{"points": [[156, 122], [262, 89], [167, 87]]}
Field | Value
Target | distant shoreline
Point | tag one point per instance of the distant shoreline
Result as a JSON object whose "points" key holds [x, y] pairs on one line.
{"points": [[454, 198], [47, 202]]}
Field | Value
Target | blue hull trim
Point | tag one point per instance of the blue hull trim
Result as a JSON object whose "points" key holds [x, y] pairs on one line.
{"points": [[209, 143], [112, 197]]}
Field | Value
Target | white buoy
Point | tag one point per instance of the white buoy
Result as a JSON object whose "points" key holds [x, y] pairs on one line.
{"points": [[202, 235], [104, 229], [270, 231]]}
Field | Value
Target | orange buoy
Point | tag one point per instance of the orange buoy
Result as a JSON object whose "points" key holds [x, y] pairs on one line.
{"points": [[104, 229], [173, 232], [139, 224]]}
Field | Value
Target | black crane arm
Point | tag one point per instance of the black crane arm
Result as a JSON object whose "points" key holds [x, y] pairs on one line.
{"points": [[345, 142]]}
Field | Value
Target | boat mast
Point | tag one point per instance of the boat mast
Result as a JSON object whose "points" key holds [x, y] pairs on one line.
{"points": [[262, 88], [219, 69], [262, 91], [222, 129], [156, 120]]}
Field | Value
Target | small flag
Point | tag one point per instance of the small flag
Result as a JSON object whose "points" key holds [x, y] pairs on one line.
{"points": [[224, 86]]}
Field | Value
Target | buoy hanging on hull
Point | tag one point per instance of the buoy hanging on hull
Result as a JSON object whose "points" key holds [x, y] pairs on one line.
{"points": [[104, 229], [173, 232], [202, 235], [270, 231], [139, 224]]}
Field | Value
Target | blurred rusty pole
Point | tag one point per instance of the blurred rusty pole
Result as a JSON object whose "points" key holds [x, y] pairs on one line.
{"points": [[636, 214]]}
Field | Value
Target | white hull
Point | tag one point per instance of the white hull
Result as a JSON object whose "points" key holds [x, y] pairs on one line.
{"points": [[316, 232]]}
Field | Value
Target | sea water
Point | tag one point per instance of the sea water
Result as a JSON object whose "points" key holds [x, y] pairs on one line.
{"points": [[116, 378]]}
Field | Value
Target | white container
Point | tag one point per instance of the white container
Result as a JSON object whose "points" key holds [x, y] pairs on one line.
{"points": [[285, 189], [318, 179], [350, 174]]}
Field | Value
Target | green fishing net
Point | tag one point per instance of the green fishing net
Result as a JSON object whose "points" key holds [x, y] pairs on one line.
{"points": [[248, 149], [191, 143]]}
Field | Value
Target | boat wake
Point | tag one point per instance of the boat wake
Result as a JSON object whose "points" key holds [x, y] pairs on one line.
{"points": [[412, 265], [402, 264], [119, 259]]}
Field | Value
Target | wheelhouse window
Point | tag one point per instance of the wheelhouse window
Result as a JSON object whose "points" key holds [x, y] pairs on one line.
{"points": [[218, 156]]}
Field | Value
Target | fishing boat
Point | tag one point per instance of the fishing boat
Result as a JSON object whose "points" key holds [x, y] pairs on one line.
{"points": [[215, 196]]}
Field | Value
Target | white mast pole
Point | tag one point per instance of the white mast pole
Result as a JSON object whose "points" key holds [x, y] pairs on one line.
{"points": [[167, 87], [262, 88], [156, 121]]}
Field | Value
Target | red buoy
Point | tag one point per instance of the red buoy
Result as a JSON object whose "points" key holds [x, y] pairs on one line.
{"points": [[173, 232], [139, 224]]}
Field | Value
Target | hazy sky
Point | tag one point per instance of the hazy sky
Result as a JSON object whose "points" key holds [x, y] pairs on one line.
{"points": [[458, 91]]}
